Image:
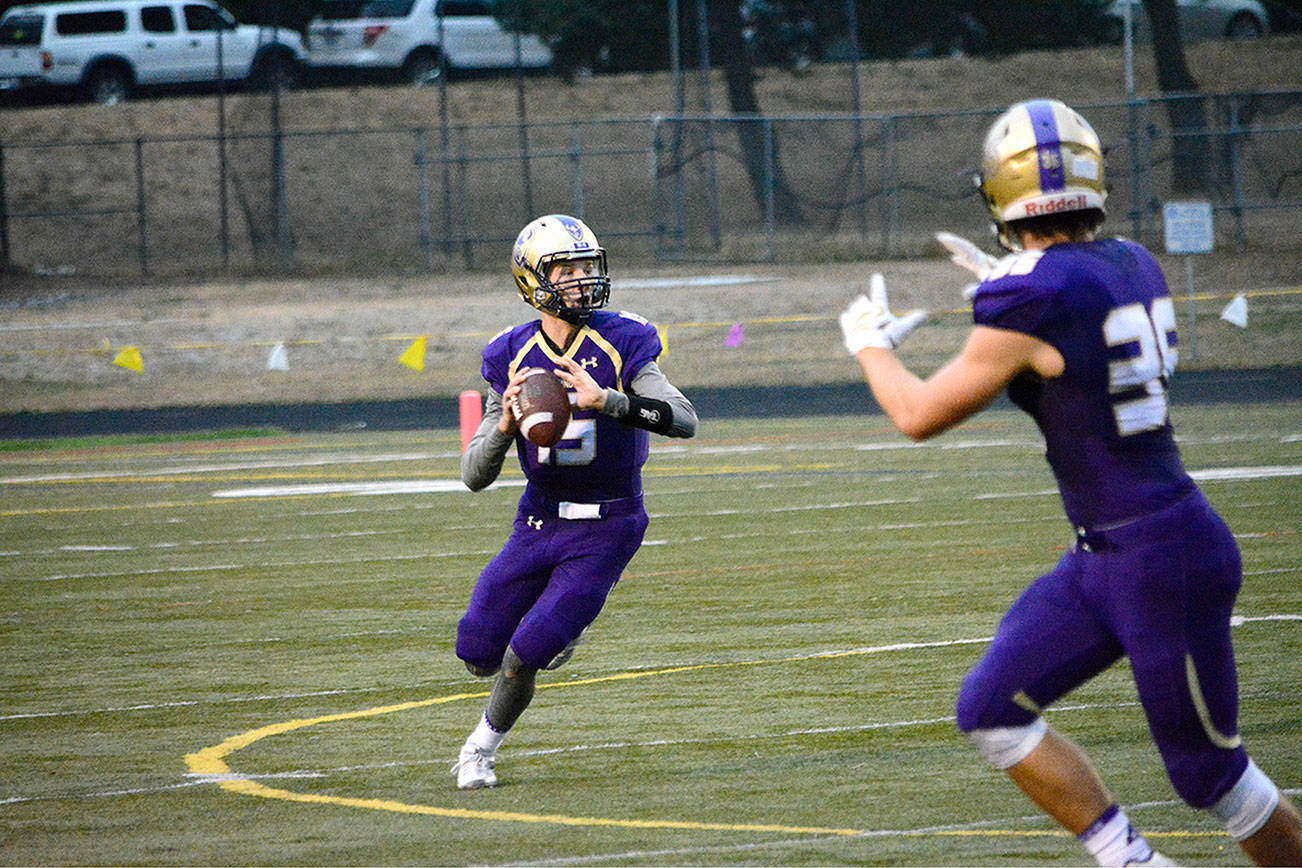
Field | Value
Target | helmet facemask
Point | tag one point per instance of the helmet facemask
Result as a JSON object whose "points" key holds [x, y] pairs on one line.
{"points": [[573, 299]]}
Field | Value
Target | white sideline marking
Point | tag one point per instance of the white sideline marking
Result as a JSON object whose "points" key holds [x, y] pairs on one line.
{"points": [[363, 489], [266, 565], [199, 543], [228, 468], [1214, 474], [1235, 473]]}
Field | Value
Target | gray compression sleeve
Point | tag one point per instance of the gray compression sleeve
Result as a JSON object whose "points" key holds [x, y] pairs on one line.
{"points": [[482, 460], [651, 383]]}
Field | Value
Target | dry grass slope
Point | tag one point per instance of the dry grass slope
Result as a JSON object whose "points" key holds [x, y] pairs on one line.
{"points": [[207, 340]]}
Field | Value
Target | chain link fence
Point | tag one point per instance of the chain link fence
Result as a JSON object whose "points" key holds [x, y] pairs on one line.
{"points": [[262, 199]]}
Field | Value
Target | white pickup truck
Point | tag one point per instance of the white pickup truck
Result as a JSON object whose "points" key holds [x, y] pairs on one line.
{"points": [[108, 48]]}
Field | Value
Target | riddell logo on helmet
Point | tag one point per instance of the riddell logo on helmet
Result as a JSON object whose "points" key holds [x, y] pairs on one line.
{"points": [[1062, 203]]}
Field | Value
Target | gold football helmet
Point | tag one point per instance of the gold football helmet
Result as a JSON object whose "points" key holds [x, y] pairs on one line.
{"points": [[1040, 157], [547, 241]]}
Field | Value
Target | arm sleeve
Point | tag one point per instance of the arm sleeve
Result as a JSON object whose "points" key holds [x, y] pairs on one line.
{"points": [[652, 389], [482, 461]]}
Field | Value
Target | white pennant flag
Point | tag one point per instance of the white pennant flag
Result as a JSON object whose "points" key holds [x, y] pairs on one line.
{"points": [[279, 359], [1236, 312]]}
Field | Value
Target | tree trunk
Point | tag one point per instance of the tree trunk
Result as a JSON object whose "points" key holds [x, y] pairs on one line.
{"points": [[1185, 107], [725, 21]]}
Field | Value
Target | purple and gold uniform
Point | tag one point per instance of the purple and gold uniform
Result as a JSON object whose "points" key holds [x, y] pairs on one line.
{"points": [[599, 459], [581, 518], [1154, 572]]}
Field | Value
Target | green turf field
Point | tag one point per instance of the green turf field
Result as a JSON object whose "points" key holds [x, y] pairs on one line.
{"points": [[200, 668]]}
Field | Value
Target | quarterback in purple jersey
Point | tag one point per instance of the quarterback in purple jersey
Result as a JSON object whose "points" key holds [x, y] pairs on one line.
{"points": [[581, 518], [1081, 333]]}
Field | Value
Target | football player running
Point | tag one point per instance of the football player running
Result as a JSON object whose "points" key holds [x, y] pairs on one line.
{"points": [[1080, 331], [581, 518]]}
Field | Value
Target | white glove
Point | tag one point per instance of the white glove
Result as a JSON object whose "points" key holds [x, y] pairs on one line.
{"points": [[965, 254], [868, 322]]}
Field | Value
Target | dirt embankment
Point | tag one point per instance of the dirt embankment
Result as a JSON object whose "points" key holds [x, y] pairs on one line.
{"points": [[209, 341]]}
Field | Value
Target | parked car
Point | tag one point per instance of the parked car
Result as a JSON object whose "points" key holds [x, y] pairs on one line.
{"points": [[403, 37], [1200, 20], [108, 48]]}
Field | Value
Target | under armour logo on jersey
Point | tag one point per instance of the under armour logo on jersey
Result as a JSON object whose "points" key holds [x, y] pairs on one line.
{"points": [[535, 523], [589, 362]]}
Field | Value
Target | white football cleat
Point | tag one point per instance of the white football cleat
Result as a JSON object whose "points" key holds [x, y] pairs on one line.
{"points": [[1155, 860], [474, 769]]}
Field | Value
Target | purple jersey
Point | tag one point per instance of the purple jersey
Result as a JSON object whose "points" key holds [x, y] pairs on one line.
{"points": [[1105, 307], [599, 458]]}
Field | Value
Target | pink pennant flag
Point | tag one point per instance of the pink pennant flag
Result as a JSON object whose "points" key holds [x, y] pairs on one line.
{"points": [[735, 336]]}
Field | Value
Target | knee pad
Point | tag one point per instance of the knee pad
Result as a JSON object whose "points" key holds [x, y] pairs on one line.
{"points": [[1248, 804], [1004, 747]]}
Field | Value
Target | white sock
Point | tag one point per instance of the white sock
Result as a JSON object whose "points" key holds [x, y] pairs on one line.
{"points": [[485, 737], [1113, 841]]}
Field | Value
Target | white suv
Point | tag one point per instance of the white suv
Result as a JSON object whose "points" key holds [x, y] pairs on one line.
{"points": [[402, 36], [108, 47]]}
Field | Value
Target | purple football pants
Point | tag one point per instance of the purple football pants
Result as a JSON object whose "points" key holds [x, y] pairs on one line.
{"points": [[547, 584], [1158, 590]]}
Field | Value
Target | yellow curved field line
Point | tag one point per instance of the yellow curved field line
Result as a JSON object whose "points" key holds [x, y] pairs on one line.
{"points": [[210, 762]]}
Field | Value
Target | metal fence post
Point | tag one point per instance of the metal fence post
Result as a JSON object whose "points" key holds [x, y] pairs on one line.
{"points": [[142, 220], [890, 182], [279, 187], [770, 228], [1146, 168], [463, 161], [423, 182], [523, 119], [1236, 166], [4, 214], [576, 158], [1132, 140], [703, 40]]}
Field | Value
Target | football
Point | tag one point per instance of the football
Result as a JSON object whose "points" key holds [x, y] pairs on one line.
{"points": [[543, 407]]}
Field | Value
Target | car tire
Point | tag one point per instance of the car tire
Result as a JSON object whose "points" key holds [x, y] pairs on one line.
{"points": [[276, 70], [424, 67], [1244, 26], [108, 84]]}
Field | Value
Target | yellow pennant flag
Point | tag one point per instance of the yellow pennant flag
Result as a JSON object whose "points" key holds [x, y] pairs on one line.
{"points": [[414, 356], [129, 358]]}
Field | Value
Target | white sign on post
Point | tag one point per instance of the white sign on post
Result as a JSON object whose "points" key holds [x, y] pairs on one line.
{"points": [[1188, 229]]}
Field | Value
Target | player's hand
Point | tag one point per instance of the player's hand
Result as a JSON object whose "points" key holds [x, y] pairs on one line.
{"points": [[965, 254], [868, 321], [587, 394], [510, 421]]}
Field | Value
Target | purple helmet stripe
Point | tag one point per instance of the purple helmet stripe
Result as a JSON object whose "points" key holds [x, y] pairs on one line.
{"points": [[1047, 146]]}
